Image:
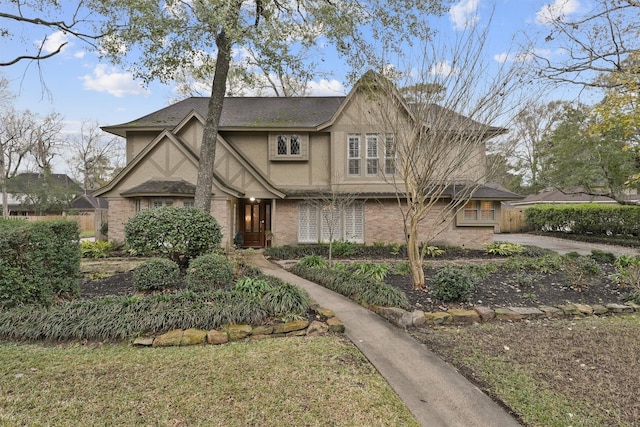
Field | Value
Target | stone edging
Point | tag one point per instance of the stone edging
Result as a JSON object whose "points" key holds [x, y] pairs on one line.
{"points": [[325, 322], [405, 319]]}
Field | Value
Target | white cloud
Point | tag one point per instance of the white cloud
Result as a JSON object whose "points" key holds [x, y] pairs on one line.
{"points": [[107, 79], [326, 87], [556, 10], [53, 42], [442, 68], [464, 14]]}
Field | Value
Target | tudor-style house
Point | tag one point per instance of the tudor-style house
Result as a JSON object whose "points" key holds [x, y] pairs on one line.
{"points": [[276, 160]]}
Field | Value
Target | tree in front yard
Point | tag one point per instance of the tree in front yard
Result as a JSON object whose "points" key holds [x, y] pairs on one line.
{"points": [[435, 146], [173, 36]]}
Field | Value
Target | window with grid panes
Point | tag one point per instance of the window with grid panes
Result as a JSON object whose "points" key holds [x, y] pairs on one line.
{"points": [[353, 155], [372, 154]]}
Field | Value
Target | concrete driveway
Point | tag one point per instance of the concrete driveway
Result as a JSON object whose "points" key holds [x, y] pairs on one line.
{"points": [[562, 246]]}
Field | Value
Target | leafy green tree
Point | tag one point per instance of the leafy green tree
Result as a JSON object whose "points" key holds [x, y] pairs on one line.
{"points": [[584, 157], [171, 36]]}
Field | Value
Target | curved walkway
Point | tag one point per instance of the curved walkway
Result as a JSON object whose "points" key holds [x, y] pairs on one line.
{"points": [[434, 391]]}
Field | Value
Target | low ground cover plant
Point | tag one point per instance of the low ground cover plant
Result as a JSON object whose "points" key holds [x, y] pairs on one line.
{"points": [[96, 249]]}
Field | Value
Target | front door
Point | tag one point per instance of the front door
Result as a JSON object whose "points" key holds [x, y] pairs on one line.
{"points": [[255, 221]]}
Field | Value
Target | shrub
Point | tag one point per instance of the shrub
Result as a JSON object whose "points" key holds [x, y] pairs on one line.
{"points": [[371, 270], [342, 248], [96, 249], [252, 287], [178, 233], [453, 284], [379, 294], [209, 271], [313, 261], [286, 300], [587, 218], [156, 274], [627, 273], [504, 248], [603, 256], [38, 261], [433, 251]]}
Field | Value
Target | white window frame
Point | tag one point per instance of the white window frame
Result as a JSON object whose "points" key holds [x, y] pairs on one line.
{"points": [[354, 154], [372, 154], [347, 223], [295, 144]]}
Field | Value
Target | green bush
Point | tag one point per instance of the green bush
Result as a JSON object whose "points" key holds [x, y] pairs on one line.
{"points": [[342, 248], [382, 295], [156, 274], [286, 300], [209, 271], [252, 287], [95, 249], [597, 219], [38, 261], [453, 284], [603, 256], [177, 233], [313, 261], [627, 273], [371, 270], [504, 248]]}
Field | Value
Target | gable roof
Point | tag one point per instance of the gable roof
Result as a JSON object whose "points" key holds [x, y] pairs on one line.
{"points": [[89, 202], [26, 180], [242, 112], [559, 197], [155, 187]]}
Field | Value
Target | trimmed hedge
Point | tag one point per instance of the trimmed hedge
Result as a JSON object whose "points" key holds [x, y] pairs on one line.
{"points": [[586, 219], [178, 233], [38, 261]]}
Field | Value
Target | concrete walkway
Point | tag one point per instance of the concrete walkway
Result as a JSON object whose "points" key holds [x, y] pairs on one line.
{"points": [[562, 246], [435, 393]]}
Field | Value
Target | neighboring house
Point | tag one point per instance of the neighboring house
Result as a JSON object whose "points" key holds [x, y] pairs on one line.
{"points": [[275, 159], [557, 197], [31, 194], [89, 203]]}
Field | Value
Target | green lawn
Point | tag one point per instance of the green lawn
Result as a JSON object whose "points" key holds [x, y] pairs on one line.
{"points": [[276, 382]]}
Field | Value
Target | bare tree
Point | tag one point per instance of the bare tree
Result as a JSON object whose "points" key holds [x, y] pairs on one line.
{"points": [[525, 145], [45, 140], [435, 152], [43, 18], [598, 42], [15, 146], [95, 156]]}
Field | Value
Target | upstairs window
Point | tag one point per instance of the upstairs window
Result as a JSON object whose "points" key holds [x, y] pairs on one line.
{"points": [[289, 147], [353, 155], [389, 155], [372, 154]]}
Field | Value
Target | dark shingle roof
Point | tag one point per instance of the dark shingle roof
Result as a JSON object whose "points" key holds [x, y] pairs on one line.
{"points": [[160, 187], [26, 180], [244, 112], [89, 202]]}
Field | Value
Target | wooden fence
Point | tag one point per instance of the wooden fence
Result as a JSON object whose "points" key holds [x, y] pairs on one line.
{"points": [[512, 221], [85, 222]]}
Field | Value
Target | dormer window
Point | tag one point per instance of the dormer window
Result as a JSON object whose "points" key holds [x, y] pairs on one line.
{"points": [[289, 146]]}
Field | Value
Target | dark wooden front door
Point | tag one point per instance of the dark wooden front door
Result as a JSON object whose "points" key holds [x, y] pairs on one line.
{"points": [[255, 220]]}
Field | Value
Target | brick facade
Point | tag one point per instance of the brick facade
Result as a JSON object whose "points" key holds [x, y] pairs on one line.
{"points": [[382, 223]]}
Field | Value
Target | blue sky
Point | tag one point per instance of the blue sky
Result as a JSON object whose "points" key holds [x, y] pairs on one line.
{"points": [[82, 88]]}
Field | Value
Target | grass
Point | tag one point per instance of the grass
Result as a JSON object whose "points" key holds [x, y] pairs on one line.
{"points": [[552, 372], [280, 382]]}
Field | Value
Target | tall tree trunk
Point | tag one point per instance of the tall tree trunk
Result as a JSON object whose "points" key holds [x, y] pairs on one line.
{"points": [[413, 252], [3, 187], [206, 164]]}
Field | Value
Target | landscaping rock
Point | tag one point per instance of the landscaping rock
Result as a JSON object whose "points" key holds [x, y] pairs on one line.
{"points": [[485, 313], [551, 312], [507, 314], [417, 318], [393, 315], [599, 309], [325, 313], [262, 330], [296, 325], [335, 325], [528, 312], [193, 337], [317, 328], [619, 308], [633, 305], [466, 317], [143, 341], [217, 337], [584, 309], [238, 332], [438, 318], [168, 339], [570, 310]]}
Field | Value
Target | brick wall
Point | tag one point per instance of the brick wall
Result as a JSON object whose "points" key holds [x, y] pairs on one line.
{"points": [[383, 223], [120, 210]]}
